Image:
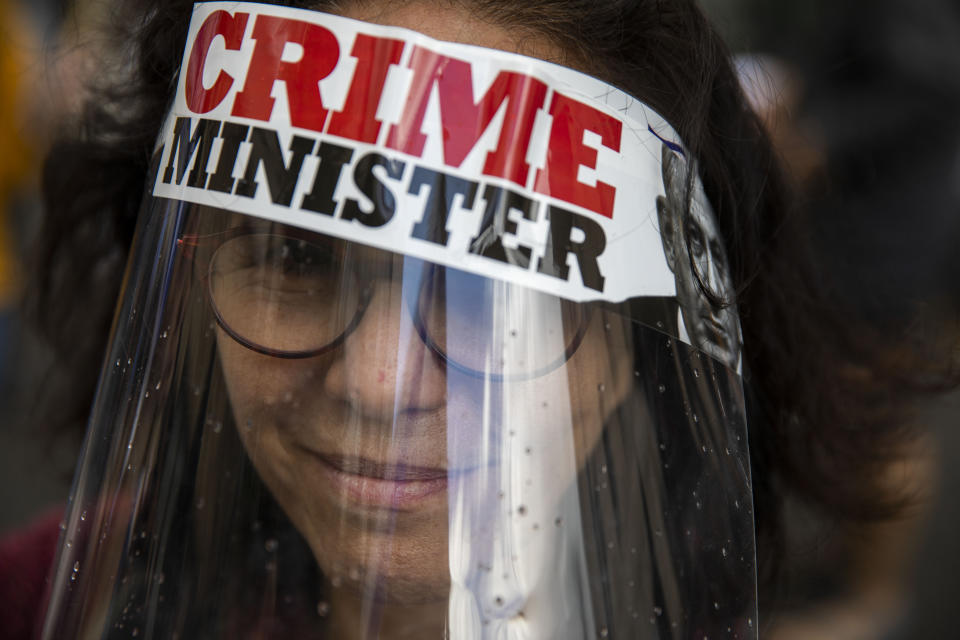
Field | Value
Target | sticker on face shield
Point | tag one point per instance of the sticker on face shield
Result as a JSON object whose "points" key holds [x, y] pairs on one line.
{"points": [[492, 163]]}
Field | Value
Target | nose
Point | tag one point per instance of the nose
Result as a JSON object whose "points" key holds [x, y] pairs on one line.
{"points": [[384, 368]]}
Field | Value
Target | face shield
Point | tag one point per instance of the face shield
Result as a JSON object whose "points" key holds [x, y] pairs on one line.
{"points": [[418, 340]]}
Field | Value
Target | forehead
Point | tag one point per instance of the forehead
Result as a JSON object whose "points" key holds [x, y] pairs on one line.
{"points": [[453, 23]]}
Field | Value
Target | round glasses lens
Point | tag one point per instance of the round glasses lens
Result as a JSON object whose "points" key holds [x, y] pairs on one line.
{"points": [[495, 328], [284, 293]]}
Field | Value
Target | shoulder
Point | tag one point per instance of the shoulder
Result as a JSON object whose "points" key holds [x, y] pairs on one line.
{"points": [[26, 557]]}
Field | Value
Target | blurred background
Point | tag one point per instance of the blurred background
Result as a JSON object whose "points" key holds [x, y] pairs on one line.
{"points": [[863, 102]]}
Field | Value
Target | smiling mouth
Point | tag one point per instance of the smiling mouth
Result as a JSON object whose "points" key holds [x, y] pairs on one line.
{"points": [[380, 485], [382, 471]]}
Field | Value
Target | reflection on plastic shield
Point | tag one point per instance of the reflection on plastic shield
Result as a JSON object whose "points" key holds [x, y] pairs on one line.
{"points": [[243, 479]]}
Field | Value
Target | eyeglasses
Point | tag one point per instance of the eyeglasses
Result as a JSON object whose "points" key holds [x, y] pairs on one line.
{"points": [[289, 293]]}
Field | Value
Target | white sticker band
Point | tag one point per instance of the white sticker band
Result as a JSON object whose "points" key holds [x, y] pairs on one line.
{"points": [[490, 162]]}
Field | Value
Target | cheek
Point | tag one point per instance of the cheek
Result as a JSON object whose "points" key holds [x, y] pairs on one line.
{"points": [[257, 382], [687, 292], [266, 395]]}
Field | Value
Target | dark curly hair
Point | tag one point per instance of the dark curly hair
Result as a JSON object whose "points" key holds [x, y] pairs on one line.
{"points": [[823, 413]]}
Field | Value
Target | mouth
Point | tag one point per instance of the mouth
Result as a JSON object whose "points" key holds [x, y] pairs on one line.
{"points": [[382, 471], [377, 484]]}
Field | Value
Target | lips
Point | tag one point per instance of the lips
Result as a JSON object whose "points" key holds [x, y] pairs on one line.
{"points": [[375, 484], [382, 471]]}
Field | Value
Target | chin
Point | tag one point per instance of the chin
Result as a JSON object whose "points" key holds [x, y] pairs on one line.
{"points": [[390, 571]]}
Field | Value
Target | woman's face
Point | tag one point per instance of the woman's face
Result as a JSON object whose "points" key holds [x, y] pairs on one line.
{"points": [[361, 446]]}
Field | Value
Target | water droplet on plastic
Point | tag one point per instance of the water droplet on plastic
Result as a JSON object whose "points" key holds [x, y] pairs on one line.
{"points": [[716, 606], [724, 552], [498, 601], [658, 611], [83, 515], [323, 609], [146, 395], [704, 449], [528, 450], [157, 388], [696, 373], [750, 622], [699, 505], [662, 388], [604, 633], [736, 504], [601, 387], [135, 633], [164, 334], [118, 362], [558, 521], [522, 510], [129, 361], [513, 333], [218, 427], [663, 447], [271, 545], [603, 468], [669, 343]]}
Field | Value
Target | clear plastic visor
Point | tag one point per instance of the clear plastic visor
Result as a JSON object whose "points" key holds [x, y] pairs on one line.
{"points": [[302, 436]]}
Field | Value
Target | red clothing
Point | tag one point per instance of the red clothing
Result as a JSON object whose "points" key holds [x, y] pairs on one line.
{"points": [[26, 557]]}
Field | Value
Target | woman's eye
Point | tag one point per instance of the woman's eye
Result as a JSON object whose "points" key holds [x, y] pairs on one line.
{"points": [[275, 256], [295, 256]]}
